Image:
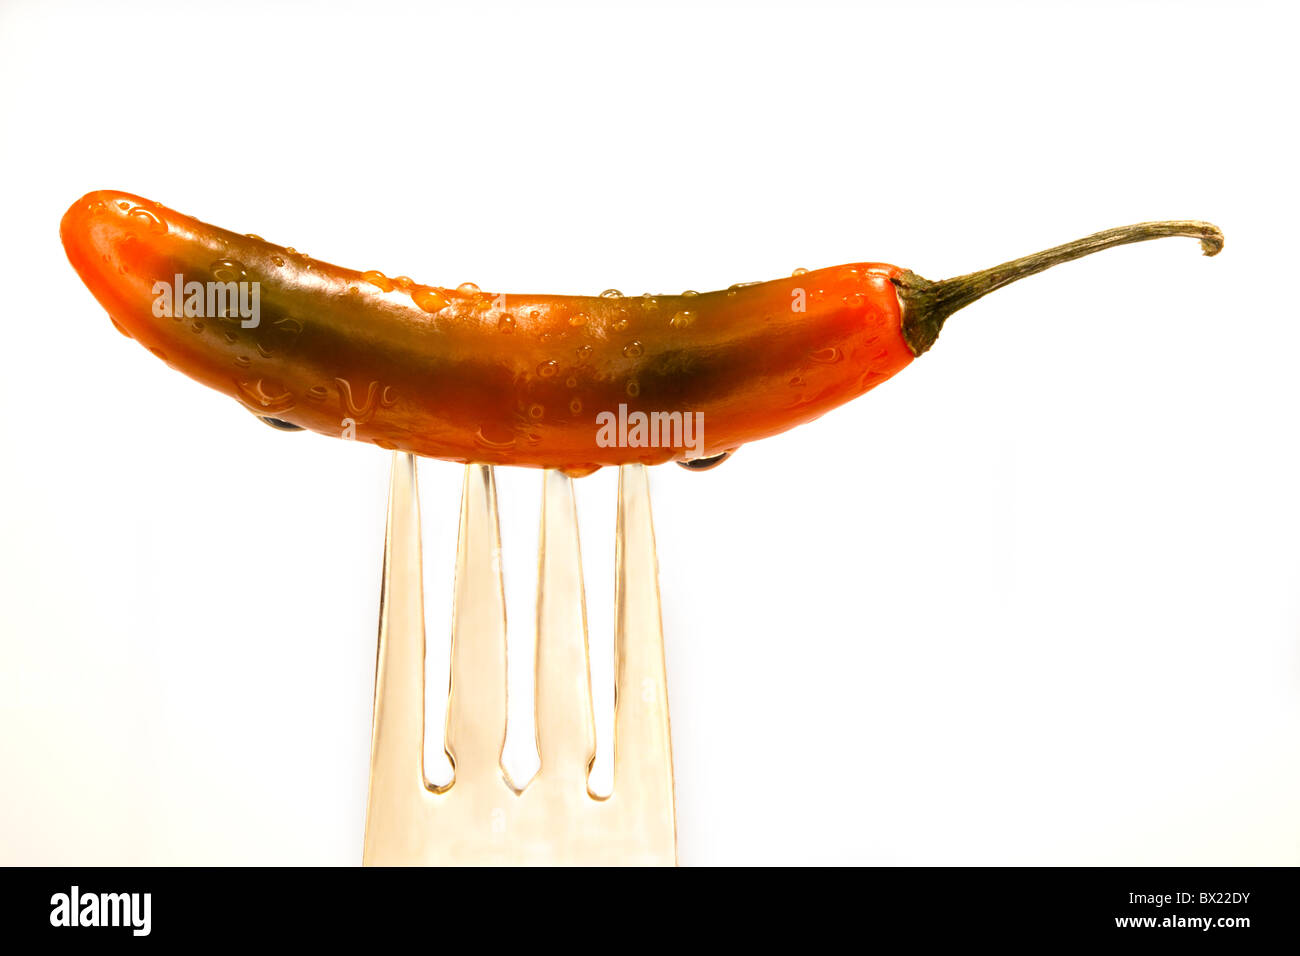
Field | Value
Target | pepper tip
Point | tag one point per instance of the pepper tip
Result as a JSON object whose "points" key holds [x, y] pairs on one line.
{"points": [[1212, 240]]}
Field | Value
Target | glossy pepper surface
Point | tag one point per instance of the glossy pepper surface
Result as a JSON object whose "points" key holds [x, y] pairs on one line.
{"points": [[515, 379]]}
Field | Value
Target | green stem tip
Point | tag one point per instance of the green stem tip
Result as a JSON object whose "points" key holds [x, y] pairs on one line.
{"points": [[927, 305]]}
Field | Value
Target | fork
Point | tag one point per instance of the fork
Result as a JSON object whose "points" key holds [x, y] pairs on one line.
{"points": [[481, 817]]}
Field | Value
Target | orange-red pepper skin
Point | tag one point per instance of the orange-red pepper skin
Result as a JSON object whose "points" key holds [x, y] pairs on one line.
{"points": [[473, 376]]}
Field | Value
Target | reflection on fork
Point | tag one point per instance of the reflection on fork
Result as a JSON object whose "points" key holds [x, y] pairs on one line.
{"points": [[481, 817]]}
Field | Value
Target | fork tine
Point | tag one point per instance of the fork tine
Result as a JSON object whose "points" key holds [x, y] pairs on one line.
{"points": [[476, 706], [566, 731], [643, 758], [397, 735]]}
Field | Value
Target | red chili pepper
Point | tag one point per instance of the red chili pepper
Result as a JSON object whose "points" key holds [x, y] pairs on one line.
{"points": [[540, 380]]}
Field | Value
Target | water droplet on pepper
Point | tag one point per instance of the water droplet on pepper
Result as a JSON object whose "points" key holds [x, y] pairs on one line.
{"points": [[376, 279], [228, 270], [430, 300]]}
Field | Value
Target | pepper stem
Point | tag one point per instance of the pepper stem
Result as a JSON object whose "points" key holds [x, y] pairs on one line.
{"points": [[927, 305]]}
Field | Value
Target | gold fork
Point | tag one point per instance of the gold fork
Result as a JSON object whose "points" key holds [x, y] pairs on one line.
{"points": [[480, 817]]}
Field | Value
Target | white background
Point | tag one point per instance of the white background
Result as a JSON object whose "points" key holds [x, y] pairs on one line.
{"points": [[1037, 600]]}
